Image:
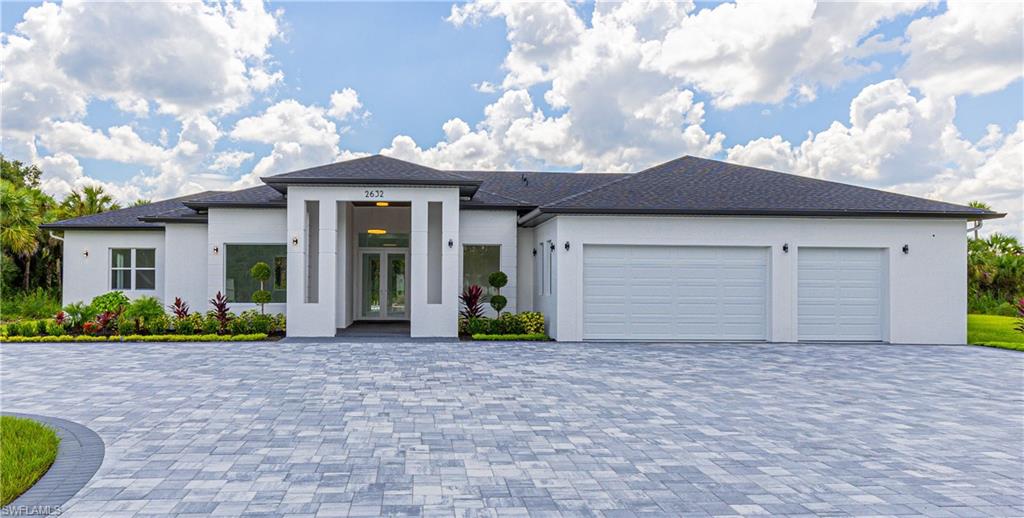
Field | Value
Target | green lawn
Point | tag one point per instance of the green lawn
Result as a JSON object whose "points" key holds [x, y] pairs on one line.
{"points": [[27, 449], [994, 331]]}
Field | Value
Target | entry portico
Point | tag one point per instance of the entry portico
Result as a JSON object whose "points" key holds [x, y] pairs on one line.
{"points": [[381, 246]]}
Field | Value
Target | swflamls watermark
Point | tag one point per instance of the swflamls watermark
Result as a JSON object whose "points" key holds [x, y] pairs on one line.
{"points": [[31, 510]]}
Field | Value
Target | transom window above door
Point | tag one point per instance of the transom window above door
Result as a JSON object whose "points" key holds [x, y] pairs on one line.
{"points": [[385, 240], [132, 267]]}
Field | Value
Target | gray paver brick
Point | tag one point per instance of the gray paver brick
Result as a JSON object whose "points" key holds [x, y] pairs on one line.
{"points": [[462, 429]]}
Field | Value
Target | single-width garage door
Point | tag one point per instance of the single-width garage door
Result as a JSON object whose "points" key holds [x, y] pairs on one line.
{"points": [[674, 293], [840, 294]]}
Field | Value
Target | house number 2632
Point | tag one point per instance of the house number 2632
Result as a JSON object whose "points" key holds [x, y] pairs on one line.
{"points": [[373, 194]]}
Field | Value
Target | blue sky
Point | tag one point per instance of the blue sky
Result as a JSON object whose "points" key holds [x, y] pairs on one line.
{"points": [[417, 66]]}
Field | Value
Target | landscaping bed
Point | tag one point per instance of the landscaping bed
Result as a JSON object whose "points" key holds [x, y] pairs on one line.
{"points": [[29, 449], [112, 317]]}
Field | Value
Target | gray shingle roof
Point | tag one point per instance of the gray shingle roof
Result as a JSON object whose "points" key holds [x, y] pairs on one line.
{"points": [[377, 169], [687, 185], [128, 217], [691, 185]]}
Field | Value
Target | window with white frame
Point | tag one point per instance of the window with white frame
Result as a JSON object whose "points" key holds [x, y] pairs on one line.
{"points": [[478, 263], [132, 268]]}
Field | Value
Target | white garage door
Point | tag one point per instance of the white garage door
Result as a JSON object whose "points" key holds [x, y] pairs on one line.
{"points": [[840, 295], [674, 293]]}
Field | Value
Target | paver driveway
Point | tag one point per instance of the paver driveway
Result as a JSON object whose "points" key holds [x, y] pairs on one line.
{"points": [[546, 429]]}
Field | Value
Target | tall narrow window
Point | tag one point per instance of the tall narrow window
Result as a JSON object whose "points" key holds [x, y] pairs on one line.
{"points": [[478, 263], [312, 251], [434, 233], [551, 267], [127, 264], [540, 268]]}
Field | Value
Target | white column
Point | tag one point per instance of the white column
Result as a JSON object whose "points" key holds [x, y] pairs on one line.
{"points": [[417, 268]]}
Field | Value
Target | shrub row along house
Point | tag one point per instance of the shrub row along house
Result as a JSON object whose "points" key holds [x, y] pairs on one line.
{"points": [[692, 249]]}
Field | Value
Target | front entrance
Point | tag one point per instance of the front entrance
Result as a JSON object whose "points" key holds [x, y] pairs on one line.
{"points": [[383, 285]]}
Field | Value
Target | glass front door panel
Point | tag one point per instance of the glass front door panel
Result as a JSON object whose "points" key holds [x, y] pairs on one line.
{"points": [[396, 286], [371, 285]]}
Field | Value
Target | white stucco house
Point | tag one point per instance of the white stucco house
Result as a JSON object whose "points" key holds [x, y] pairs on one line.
{"points": [[692, 249]]}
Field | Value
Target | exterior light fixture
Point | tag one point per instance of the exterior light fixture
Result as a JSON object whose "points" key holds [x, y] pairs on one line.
{"points": [[377, 231], [216, 250], [906, 249], [552, 247], [451, 243], [295, 241], [785, 247], [382, 204], [85, 252], [535, 252], [566, 246]]}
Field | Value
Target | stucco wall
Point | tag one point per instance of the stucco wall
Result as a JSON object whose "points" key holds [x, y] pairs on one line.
{"points": [[524, 268], [546, 300], [493, 227], [927, 287], [241, 226], [186, 272], [88, 276]]}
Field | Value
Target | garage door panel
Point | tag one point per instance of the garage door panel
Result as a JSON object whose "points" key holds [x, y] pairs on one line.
{"points": [[675, 293], [840, 294]]}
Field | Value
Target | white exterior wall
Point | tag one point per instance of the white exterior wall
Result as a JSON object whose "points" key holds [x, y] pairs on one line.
{"points": [[186, 275], [493, 227], [927, 288], [524, 270], [546, 300], [241, 226], [88, 276], [329, 312]]}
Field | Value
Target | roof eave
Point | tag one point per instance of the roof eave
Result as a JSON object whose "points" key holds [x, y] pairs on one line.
{"points": [[57, 226], [466, 187], [541, 215]]}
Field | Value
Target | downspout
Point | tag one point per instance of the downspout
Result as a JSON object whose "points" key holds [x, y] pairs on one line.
{"points": [[976, 228]]}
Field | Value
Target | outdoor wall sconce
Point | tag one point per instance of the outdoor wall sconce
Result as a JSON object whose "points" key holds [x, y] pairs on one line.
{"points": [[566, 246], [785, 247], [216, 250], [85, 252], [552, 247], [451, 243], [535, 252], [906, 249], [295, 241]]}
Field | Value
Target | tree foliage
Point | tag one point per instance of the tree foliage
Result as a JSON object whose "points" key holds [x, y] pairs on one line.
{"points": [[995, 273]]}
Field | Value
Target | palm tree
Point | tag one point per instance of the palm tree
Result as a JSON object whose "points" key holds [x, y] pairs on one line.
{"points": [[19, 224], [978, 205], [92, 200], [140, 202]]}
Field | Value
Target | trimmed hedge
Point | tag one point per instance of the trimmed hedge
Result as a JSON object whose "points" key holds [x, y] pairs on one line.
{"points": [[531, 337], [1014, 346], [253, 337]]}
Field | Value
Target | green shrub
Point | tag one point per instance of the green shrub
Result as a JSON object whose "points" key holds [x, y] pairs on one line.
{"points": [[250, 337], [112, 301], [54, 329], [279, 323], [32, 305], [157, 325], [40, 327], [12, 329], [530, 337], [507, 324], [126, 325], [210, 324], [239, 325], [498, 302], [478, 325], [497, 280], [532, 322], [144, 308], [184, 326], [27, 328], [79, 313]]}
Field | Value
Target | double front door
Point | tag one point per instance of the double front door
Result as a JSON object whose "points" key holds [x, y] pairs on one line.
{"points": [[384, 285]]}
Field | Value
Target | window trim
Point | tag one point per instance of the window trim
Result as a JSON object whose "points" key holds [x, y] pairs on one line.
{"points": [[486, 297], [224, 270], [132, 268]]}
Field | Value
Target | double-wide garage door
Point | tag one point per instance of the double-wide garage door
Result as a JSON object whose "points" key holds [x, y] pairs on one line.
{"points": [[674, 293]]}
